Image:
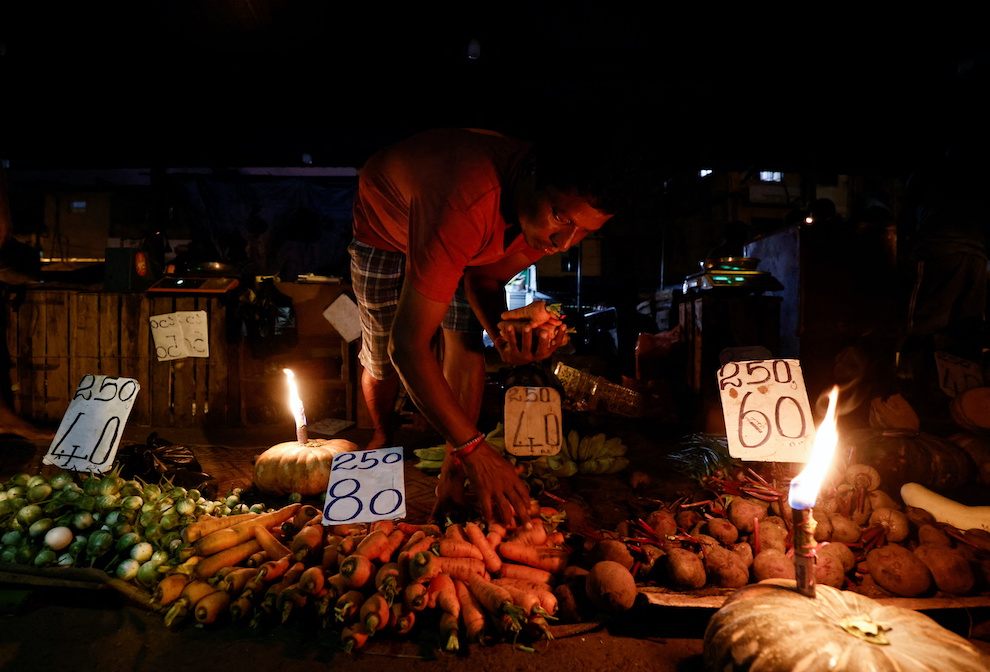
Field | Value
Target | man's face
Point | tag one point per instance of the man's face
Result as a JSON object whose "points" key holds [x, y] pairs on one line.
{"points": [[555, 220]]}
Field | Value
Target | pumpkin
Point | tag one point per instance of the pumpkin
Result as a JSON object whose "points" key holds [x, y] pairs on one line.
{"points": [[971, 409], [977, 446], [298, 467], [906, 456], [893, 412], [771, 627]]}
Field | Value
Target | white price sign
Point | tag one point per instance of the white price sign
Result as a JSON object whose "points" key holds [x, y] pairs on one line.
{"points": [[767, 414], [180, 334], [956, 375], [532, 421], [365, 486], [89, 434]]}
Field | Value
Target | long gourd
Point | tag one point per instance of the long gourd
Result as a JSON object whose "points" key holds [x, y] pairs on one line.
{"points": [[946, 510]]}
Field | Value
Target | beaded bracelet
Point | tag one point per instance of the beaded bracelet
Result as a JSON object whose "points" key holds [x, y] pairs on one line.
{"points": [[468, 446]]}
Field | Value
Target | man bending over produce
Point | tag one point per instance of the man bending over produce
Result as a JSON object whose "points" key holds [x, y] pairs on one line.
{"points": [[442, 220]]}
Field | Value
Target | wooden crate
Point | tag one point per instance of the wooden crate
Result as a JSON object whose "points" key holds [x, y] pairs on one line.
{"points": [[55, 337]]}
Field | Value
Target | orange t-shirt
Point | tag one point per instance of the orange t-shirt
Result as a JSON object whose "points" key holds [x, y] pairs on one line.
{"points": [[440, 197]]}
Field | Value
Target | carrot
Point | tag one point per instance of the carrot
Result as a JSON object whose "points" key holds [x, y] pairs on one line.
{"points": [[496, 533], [457, 548], [207, 523], [289, 600], [348, 545], [231, 556], [235, 581], [306, 515], [192, 593], [476, 536], [311, 581], [400, 619], [348, 605], [389, 581], [348, 529], [455, 531], [536, 535], [168, 589], [353, 637], [443, 594], [374, 613], [357, 570], [528, 600], [424, 566], [472, 616], [241, 532], [524, 584], [511, 570], [272, 546], [413, 538], [307, 542], [331, 552], [386, 526], [274, 569], [212, 606], [395, 540], [372, 545], [256, 559], [429, 529], [556, 538], [416, 597], [424, 544], [496, 600], [449, 624], [547, 558], [270, 602], [539, 621], [333, 588]]}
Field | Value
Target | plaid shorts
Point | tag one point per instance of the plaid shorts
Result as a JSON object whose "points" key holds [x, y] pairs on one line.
{"points": [[377, 277]]}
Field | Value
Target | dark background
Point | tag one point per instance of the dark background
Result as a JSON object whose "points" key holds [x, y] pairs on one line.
{"points": [[261, 82]]}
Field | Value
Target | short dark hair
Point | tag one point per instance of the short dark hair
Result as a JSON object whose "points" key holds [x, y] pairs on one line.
{"points": [[600, 170]]}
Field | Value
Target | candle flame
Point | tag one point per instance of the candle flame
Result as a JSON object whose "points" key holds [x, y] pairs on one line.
{"points": [[804, 487], [295, 403]]}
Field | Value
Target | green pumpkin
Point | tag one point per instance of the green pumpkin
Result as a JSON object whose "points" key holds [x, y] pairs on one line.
{"points": [[771, 627]]}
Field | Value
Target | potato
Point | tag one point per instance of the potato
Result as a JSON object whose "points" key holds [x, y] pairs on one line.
{"points": [[684, 569], [772, 536], [845, 530], [721, 529], [898, 570], [745, 513], [772, 563], [840, 551], [744, 550], [823, 530], [615, 550], [610, 587], [688, 518], [829, 571], [572, 602], [950, 570], [726, 569], [662, 522], [933, 535], [894, 523]]}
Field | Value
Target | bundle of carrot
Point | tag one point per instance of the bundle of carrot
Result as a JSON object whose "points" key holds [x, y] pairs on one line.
{"points": [[469, 582]]}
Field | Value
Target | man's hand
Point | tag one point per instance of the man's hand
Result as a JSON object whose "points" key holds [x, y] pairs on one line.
{"points": [[450, 489], [533, 315], [501, 494]]}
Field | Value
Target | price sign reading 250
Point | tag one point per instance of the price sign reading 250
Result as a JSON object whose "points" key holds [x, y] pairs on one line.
{"points": [[88, 436], [766, 410], [365, 486]]}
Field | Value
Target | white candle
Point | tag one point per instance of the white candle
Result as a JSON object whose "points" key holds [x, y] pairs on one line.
{"points": [[295, 404]]}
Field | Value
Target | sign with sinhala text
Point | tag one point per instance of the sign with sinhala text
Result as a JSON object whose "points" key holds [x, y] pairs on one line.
{"points": [[767, 414], [956, 375], [90, 431], [532, 421], [180, 334], [365, 486]]}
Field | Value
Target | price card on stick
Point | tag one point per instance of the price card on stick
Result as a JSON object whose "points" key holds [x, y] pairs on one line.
{"points": [[956, 375], [89, 434], [365, 486], [180, 334], [767, 414], [532, 421]]}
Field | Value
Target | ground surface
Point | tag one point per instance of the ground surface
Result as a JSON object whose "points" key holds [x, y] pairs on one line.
{"points": [[81, 629]]}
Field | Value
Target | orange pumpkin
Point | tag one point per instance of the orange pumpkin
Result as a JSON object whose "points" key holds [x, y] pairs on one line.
{"points": [[298, 467]]}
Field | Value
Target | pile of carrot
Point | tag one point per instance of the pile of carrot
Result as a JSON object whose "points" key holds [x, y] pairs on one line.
{"points": [[471, 582]]}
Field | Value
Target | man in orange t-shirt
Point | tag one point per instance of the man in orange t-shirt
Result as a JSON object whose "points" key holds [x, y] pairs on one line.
{"points": [[442, 220]]}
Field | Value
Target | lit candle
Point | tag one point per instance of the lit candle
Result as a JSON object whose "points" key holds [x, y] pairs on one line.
{"points": [[802, 495], [295, 403]]}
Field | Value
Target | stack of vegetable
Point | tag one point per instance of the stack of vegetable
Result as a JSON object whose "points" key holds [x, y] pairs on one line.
{"points": [[467, 582], [128, 528]]}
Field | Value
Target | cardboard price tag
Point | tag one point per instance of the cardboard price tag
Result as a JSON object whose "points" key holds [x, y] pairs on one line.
{"points": [[956, 375], [365, 486], [532, 421], [767, 414], [89, 434], [180, 334]]}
